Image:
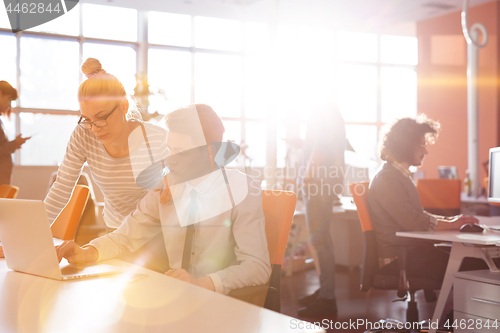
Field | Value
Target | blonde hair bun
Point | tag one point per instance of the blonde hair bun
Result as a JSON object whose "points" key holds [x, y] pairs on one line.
{"points": [[91, 67]]}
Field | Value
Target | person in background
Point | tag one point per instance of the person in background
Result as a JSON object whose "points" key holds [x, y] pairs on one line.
{"points": [[323, 161], [106, 135], [394, 203], [213, 229], [7, 95]]}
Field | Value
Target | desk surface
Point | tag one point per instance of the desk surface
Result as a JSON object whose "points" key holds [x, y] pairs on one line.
{"points": [[485, 238], [460, 250], [491, 238], [478, 200], [156, 303]]}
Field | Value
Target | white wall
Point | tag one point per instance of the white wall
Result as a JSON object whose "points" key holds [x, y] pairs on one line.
{"points": [[33, 181]]}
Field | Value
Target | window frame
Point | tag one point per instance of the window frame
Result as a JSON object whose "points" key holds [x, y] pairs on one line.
{"points": [[142, 47]]}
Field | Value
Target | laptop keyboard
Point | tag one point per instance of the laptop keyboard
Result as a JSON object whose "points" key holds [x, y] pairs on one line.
{"points": [[70, 270]]}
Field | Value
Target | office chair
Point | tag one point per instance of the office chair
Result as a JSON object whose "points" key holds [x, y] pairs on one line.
{"points": [[278, 207], [65, 225], [372, 276], [440, 196], [8, 191], [92, 215]]}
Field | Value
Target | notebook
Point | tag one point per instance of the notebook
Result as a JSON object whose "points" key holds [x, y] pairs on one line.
{"points": [[29, 247]]}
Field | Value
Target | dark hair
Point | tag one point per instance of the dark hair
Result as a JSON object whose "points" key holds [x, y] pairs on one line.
{"points": [[8, 90], [400, 138], [212, 126]]}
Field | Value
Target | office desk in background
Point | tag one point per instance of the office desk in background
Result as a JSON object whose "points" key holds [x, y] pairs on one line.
{"points": [[483, 246], [474, 206], [156, 303], [345, 231]]}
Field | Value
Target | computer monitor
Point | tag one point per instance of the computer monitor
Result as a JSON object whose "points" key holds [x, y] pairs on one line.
{"points": [[494, 175]]}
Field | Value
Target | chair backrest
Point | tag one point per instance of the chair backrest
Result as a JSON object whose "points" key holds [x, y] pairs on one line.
{"points": [[359, 193], [440, 196], [66, 224], [370, 254], [278, 207], [8, 191]]}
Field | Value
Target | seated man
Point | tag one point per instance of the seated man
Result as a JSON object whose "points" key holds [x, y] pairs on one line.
{"points": [[213, 227], [394, 203]]}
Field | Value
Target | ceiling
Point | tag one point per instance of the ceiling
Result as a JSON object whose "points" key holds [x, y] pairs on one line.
{"points": [[382, 16]]}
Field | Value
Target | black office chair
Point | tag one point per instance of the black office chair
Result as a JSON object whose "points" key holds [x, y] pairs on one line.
{"points": [[372, 276]]}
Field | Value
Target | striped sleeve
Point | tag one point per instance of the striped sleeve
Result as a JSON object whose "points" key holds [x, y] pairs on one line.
{"points": [[67, 175]]}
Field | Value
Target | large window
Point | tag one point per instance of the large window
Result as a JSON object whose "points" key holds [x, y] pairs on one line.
{"points": [[105, 22], [49, 58], [8, 58], [169, 78], [262, 80], [121, 61], [49, 73]]}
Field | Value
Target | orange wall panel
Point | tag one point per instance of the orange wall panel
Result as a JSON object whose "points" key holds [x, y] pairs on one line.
{"points": [[442, 86]]}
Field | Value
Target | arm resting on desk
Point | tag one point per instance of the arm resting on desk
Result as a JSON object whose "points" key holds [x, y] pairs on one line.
{"points": [[135, 231], [453, 222]]}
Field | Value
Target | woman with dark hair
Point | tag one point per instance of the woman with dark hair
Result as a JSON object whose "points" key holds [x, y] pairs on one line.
{"points": [[394, 203], [400, 139], [7, 95]]}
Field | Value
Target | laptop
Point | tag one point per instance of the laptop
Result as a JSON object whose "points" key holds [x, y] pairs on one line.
{"points": [[29, 247]]}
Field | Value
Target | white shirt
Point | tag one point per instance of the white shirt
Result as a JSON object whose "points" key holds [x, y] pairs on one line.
{"points": [[229, 244]]}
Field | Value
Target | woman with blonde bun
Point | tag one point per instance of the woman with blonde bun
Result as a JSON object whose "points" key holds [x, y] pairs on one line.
{"points": [[104, 140]]}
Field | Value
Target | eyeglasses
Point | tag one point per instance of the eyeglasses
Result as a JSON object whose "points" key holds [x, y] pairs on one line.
{"points": [[99, 123]]}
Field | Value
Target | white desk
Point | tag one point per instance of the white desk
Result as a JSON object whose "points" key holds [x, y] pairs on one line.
{"points": [[463, 245], [156, 303]]}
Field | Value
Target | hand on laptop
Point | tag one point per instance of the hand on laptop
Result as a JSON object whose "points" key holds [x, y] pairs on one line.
{"points": [[76, 254]]}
